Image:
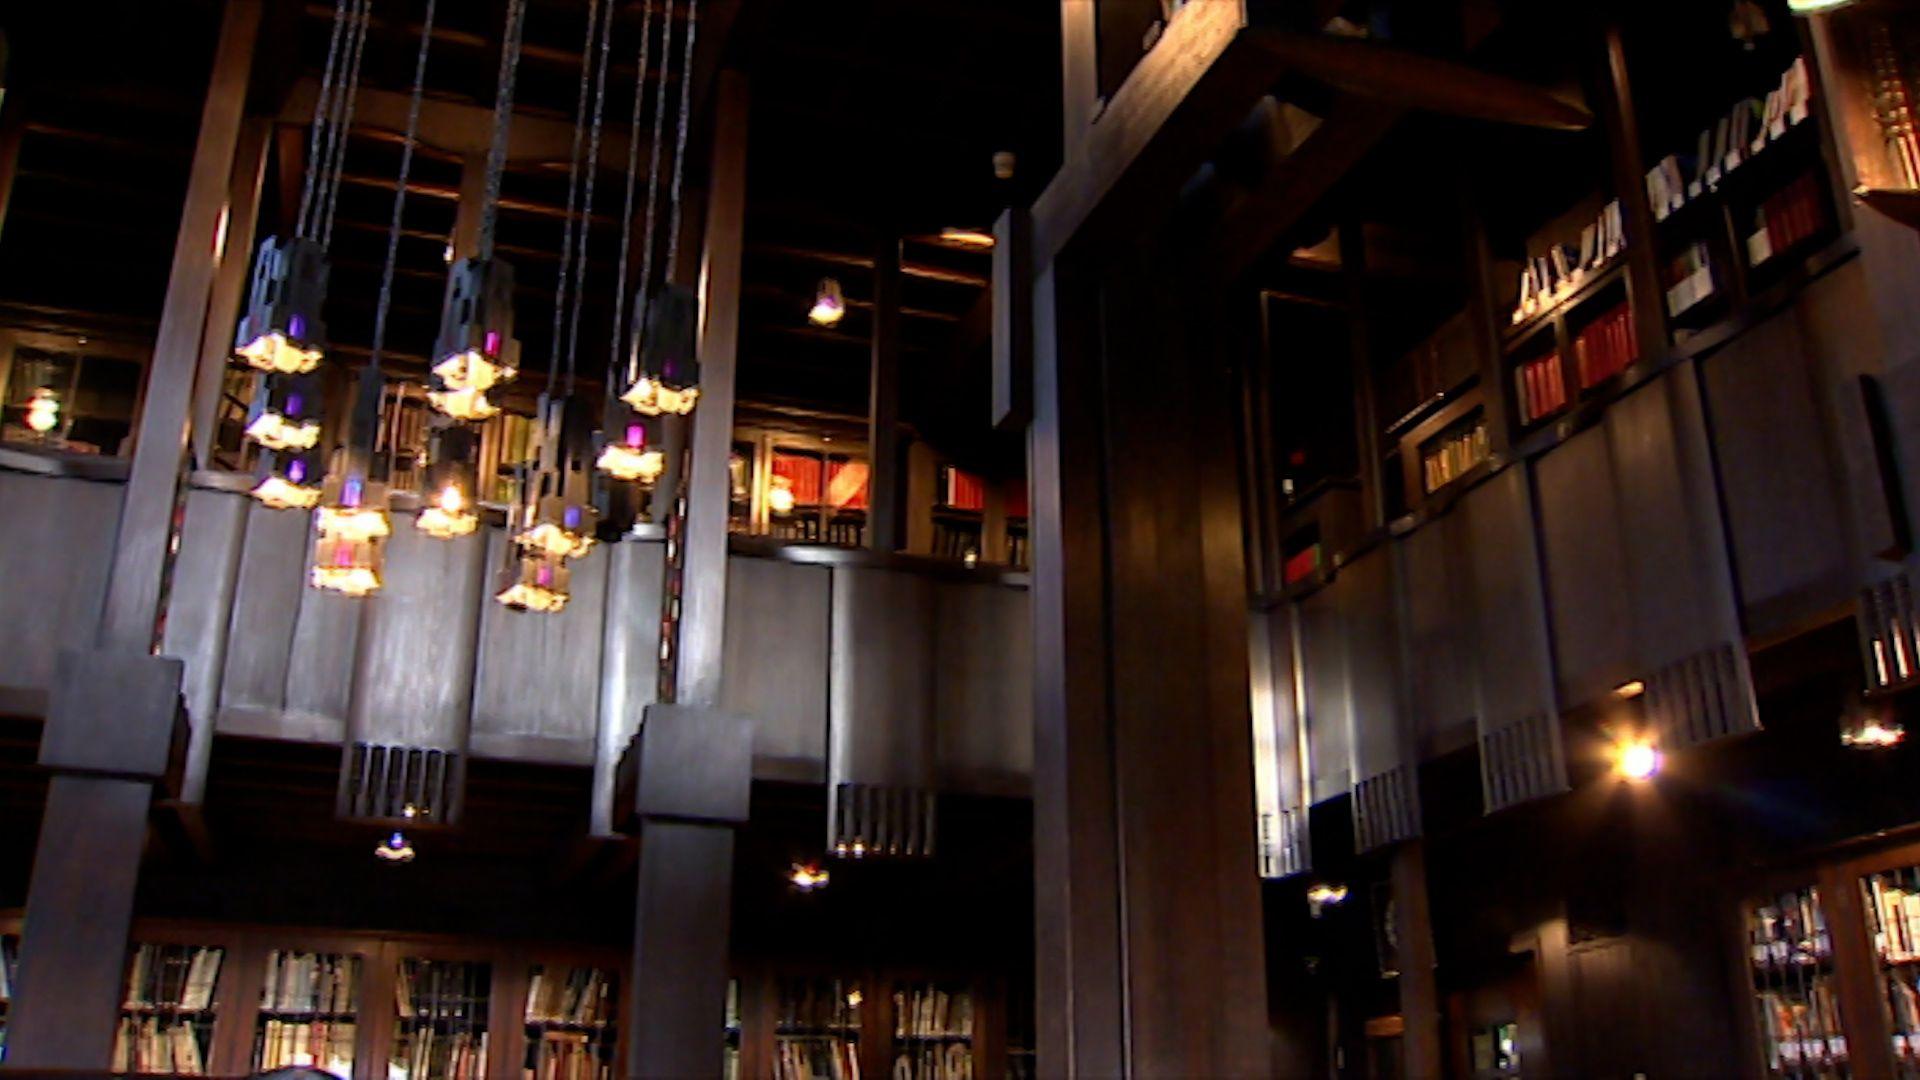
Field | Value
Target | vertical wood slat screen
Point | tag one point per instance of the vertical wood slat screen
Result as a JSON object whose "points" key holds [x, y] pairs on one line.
{"points": [[1279, 774]]}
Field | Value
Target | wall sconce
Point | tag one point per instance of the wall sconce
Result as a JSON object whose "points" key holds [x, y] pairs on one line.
{"points": [[780, 496], [43, 410], [829, 304]]}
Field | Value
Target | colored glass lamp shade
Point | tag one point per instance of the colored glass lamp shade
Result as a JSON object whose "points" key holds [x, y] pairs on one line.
{"points": [[282, 331], [669, 380], [535, 582], [560, 515], [350, 526], [43, 410], [279, 418], [829, 304], [287, 482], [631, 458], [447, 506], [476, 350]]}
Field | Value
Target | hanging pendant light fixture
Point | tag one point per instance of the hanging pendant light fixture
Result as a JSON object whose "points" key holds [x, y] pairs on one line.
{"points": [[476, 351], [447, 509], [629, 450], [829, 304], [43, 410], [351, 525], [283, 335], [667, 321], [556, 517]]}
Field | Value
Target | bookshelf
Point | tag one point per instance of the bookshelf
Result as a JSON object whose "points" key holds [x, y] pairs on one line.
{"points": [[441, 1014], [1892, 901], [1791, 957], [572, 1023], [817, 1028], [167, 1014], [933, 1031], [309, 1011]]}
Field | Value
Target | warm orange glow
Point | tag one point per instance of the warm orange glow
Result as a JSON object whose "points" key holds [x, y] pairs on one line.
{"points": [[463, 404], [650, 398], [276, 432], [623, 462], [272, 352], [829, 304], [972, 238], [277, 493], [780, 496], [43, 411], [447, 516], [1631, 689], [807, 877], [1637, 760]]}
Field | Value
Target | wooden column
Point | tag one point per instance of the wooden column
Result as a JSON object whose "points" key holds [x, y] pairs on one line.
{"points": [[233, 267], [80, 900], [1148, 920], [883, 412], [1419, 993], [696, 764], [1079, 71]]}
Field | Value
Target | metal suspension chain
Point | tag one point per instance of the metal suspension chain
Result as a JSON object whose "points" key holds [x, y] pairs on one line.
{"points": [[586, 202], [680, 140], [557, 348], [345, 126], [385, 302], [626, 211], [322, 110], [502, 118], [647, 241]]}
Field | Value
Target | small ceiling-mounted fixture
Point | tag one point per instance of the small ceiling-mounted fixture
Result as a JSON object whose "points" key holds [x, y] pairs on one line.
{"points": [[829, 304], [1003, 162], [1322, 895], [43, 410], [808, 877], [1636, 759], [968, 238]]}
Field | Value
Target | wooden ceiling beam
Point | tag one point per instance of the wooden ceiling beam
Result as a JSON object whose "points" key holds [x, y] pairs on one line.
{"points": [[451, 193], [865, 262]]}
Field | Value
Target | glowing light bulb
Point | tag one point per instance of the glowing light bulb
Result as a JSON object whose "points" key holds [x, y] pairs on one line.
{"points": [[780, 496], [43, 410], [807, 877], [829, 304], [447, 516], [1637, 760]]}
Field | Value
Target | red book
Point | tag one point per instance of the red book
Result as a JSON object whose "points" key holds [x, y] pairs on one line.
{"points": [[1520, 386], [1532, 372], [1556, 384]]}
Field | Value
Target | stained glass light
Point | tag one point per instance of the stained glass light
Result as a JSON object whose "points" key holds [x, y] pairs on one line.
{"points": [[43, 410], [476, 350], [282, 331], [448, 501], [632, 457], [535, 582], [669, 379], [351, 525], [829, 304], [559, 516]]}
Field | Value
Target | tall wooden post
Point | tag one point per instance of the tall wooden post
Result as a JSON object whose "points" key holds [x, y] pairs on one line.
{"points": [[694, 765], [883, 411], [233, 266], [112, 711], [1148, 919]]}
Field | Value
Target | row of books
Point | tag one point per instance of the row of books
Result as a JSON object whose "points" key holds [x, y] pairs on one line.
{"points": [[319, 1044], [1786, 218], [1605, 347], [176, 976], [311, 982], [1803, 1030], [1689, 278], [1893, 107], [962, 490], [1896, 915], [1540, 386], [570, 996], [817, 1005], [426, 1054], [949, 1061], [1789, 930], [1742, 133], [924, 1011], [156, 1045], [572, 1055], [1549, 277], [1449, 457], [815, 1058], [442, 990]]}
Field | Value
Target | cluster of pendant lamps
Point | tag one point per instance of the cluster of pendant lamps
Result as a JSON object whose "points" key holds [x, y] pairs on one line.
{"points": [[577, 468]]}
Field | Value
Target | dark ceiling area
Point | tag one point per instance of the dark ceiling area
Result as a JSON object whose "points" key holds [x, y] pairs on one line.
{"points": [[870, 121]]}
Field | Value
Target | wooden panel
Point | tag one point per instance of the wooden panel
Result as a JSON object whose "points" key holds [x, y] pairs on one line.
{"points": [[1514, 666], [776, 663], [1374, 668], [1586, 568], [197, 615], [1442, 637], [539, 675], [1279, 782], [326, 636], [58, 537], [629, 666], [260, 632], [1777, 480], [983, 689], [413, 682], [881, 687], [1323, 671]]}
